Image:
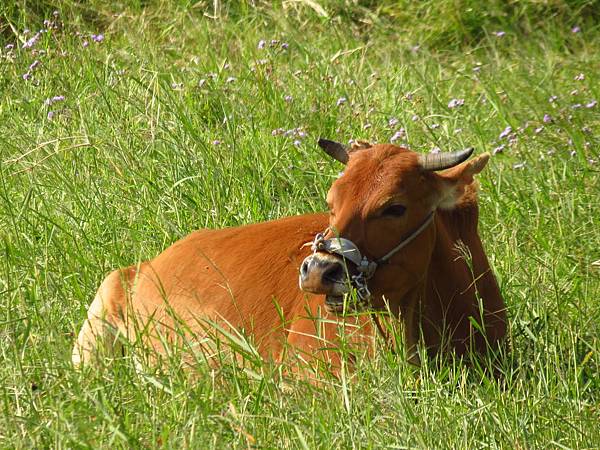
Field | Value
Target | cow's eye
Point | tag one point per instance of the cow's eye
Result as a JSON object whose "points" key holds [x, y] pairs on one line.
{"points": [[394, 210]]}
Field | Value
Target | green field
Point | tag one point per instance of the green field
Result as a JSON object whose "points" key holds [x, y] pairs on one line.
{"points": [[125, 127]]}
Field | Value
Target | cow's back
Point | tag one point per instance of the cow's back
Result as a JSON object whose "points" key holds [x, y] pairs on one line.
{"points": [[243, 277]]}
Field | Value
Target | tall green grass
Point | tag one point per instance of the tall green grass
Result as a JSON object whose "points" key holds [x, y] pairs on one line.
{"points": [[141, 151]]}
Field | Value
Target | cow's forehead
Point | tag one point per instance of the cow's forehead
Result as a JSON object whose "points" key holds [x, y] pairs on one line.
{"points": [[378, 171]]}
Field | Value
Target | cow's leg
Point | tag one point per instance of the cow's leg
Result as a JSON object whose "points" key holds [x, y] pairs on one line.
{"points": [[99, 334]]}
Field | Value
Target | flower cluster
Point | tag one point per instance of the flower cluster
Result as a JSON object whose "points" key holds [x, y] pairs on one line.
{"points": [[32, 67], [398, 135], [57, 98], [456, 102], [274, 43], [298, 134]]}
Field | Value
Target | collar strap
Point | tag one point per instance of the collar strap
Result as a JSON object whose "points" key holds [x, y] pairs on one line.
{"points": [[385, 258]]}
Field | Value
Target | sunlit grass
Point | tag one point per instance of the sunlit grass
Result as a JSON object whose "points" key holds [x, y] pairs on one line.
{"points": [[176, 121]]}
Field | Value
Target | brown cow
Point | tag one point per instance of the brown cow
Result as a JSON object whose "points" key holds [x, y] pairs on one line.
{"points": [[402, 233]]}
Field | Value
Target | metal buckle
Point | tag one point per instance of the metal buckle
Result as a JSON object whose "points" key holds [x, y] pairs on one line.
{"points": [[318, 242], [362, 289]]}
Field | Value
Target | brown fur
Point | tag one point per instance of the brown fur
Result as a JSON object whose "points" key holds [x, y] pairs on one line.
{"points": [[247, 277]]}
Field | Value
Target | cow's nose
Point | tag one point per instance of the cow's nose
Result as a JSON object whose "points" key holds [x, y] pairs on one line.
{"points": [[322, 274]]}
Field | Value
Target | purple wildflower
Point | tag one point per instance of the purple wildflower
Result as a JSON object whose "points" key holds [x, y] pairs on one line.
{"points": [[576, 106], [393, 122], [302, 134], [288, 98], [498, 149], [51, 114], [277, 132], [341, 101], [27, 76], [552, 98], [297, 143], [9, 46], [505, 133], [547, 118], [85, 44], [216, 142], [591, 104], [32, 41], [575, 29], [97, 37], [456, 102], [261, 44], [400, 134], [285, 45], [579, 77], [56, 98], [34, 65], [274, 42], [499, 33]]}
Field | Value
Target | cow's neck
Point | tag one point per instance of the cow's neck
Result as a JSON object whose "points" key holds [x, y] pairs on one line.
{"points": [[449, 296]]}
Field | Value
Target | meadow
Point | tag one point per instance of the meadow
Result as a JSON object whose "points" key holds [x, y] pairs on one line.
{"points": [[125, 126]]}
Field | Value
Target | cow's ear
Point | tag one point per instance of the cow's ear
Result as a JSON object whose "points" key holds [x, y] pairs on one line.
{"points": [[334, 149], [339, 151], [456, 179]]}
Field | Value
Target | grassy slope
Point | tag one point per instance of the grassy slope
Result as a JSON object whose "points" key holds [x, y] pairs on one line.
{"points": [[127, 165]]}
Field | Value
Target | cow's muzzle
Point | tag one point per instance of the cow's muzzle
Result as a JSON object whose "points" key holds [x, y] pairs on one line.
{"points": [[323, 273]]}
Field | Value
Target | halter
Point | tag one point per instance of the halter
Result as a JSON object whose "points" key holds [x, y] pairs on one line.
{"points": [[365, 267]]}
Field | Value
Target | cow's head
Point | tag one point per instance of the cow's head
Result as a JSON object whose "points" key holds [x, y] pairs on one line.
{"points": [[384, 197]]}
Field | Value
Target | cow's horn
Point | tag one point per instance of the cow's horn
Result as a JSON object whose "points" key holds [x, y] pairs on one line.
{"points": [[440, 161], [335, 150]]}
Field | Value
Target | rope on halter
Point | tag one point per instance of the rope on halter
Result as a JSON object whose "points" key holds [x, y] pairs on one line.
{"points": [[365, 267]]}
